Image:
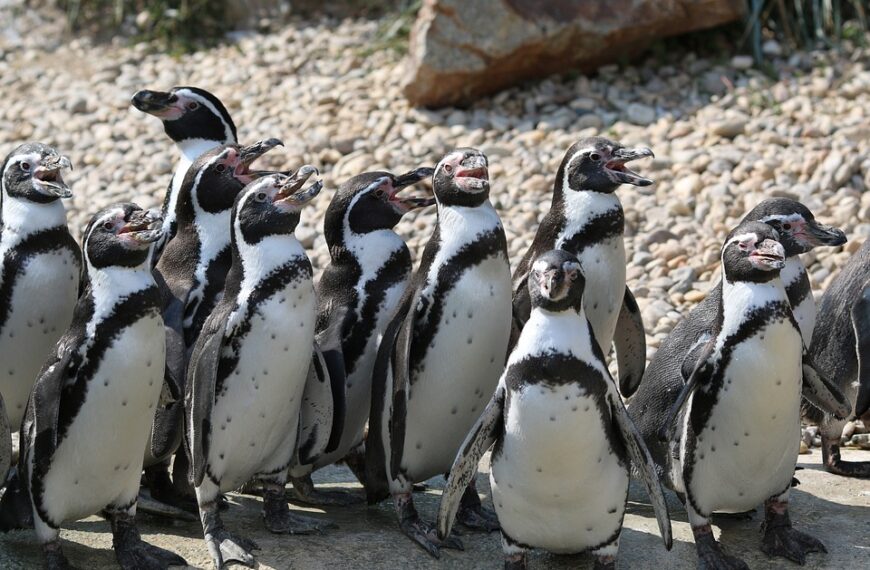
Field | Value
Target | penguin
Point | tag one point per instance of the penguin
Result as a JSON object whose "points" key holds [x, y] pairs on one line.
{"points": [[840, 350], [192, 270], [5, 444], [733, 430], [250, 365], [547, 490], [197, 122], [357, 294], [88, 417], [799, 232], [40, 266], [586, 219], [443, 352]]}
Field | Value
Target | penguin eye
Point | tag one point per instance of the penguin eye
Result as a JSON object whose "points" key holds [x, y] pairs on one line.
{"points": [[220, 168], [786, 226], [260, 197], [108, 225], [743, 245], [25, 166], [193, 105], [448, 168], [595, 156], [379, 193]]}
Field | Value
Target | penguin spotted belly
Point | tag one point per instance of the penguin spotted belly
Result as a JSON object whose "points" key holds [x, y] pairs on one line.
{"points": [[255, 417], [460, 370], [96, 462], [749, 446], [33, 328], [604, 270], [556, 482]]}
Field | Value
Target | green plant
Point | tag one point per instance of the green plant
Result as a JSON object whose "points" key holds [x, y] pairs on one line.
{"points": [[395, 29], [180, 25], [806, 23]]}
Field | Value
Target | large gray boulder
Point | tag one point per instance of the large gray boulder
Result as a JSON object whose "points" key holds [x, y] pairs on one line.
{"points": [[462, 49]]}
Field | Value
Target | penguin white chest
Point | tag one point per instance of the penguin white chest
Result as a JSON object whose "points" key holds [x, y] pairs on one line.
{"points": [[805, 315], [460, 369], [41, 308], [557, 483], [256, 414], [748, 448], [99, 461], [604, 268]]}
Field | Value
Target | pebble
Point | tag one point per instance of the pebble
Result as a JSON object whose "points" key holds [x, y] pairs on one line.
{"points": [[640, 114]]}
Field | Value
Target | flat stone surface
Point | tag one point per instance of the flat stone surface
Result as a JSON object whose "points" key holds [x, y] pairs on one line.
{"points": [[834, 509]]}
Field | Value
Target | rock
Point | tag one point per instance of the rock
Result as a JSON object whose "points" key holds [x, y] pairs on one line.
{"points": [[78, 105], [742, 62], [729, 128], [639, 114], [804, 448], [462, 50], [694, 296], [861, 440]]}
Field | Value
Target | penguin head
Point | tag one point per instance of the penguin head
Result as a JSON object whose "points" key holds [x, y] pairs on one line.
{"points": [[217, 177], [598, 164], [272, 205], [33, 172], [371, 201], [799, 232], [556, 282], [121, 236], [462, 178], [188, 113], [752, 252]]}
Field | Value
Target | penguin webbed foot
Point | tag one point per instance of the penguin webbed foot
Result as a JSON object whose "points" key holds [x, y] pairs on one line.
{"points": [[162, 490], [304, 492], [604, 563], [133, 553], [516, 561], [781, 539], [147, 504], [279, 520], [421, 532], [224, 546], [712, 557], [473, 515], [834, 464], [54, 557]]}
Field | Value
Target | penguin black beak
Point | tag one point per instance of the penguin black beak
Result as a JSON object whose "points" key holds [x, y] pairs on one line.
{"points": [[404, 205], [617, 170], [290, 190], [155, 103], [816, 234], [769, 255], [247, 156], [143, 227], [47, 176]]}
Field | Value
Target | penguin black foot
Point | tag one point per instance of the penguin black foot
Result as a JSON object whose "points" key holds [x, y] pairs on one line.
{"points": [[420, 531], [516, 561], [279, 519], [225, 547], [132, 552], [605, 563], [162, 490], [54, 557], [304, 492], [710, 553], [780, 539], [356, 462], [16, 510], [473, 515], [146, 504], [835, 465]]}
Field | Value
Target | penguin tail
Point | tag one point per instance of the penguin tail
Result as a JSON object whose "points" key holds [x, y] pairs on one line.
{"points": [[16, 510]]}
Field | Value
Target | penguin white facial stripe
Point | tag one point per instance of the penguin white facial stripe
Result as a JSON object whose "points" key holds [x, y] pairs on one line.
{"points": [[32, 158], [790, 218]]}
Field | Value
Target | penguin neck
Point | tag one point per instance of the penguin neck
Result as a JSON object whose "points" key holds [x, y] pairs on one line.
{"points": [[566, 332], [457, 223], [793, 270], [260, 259], [741, 297], [370, 250], [111, 285], [582, 206], [20, 218], [192, 148], [213, 233]]}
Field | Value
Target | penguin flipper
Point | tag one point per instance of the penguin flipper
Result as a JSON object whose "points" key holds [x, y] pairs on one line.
{"points": [[482, 436], [5, 443], [377, 482], [316, 412], [329, 340], [699, 373], [822, 393], [861, 324], [630, 343], [645, 468], [200, 388], [402, 383], [521, 303]]}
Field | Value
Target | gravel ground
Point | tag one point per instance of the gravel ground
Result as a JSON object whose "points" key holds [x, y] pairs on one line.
{"points": [[725, 136]]}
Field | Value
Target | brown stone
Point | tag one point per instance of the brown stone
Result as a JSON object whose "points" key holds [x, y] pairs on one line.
{"points": [[463, 49]]}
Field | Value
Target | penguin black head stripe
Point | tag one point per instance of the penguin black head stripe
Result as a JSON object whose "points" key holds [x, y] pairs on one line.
{"points": [[799, 232], [462, 178], [372, 202], [217, 177], [752, 253], [272, 205], [556, 282], [33, 172], [187, 113], [598, 164], [120, 235]]}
